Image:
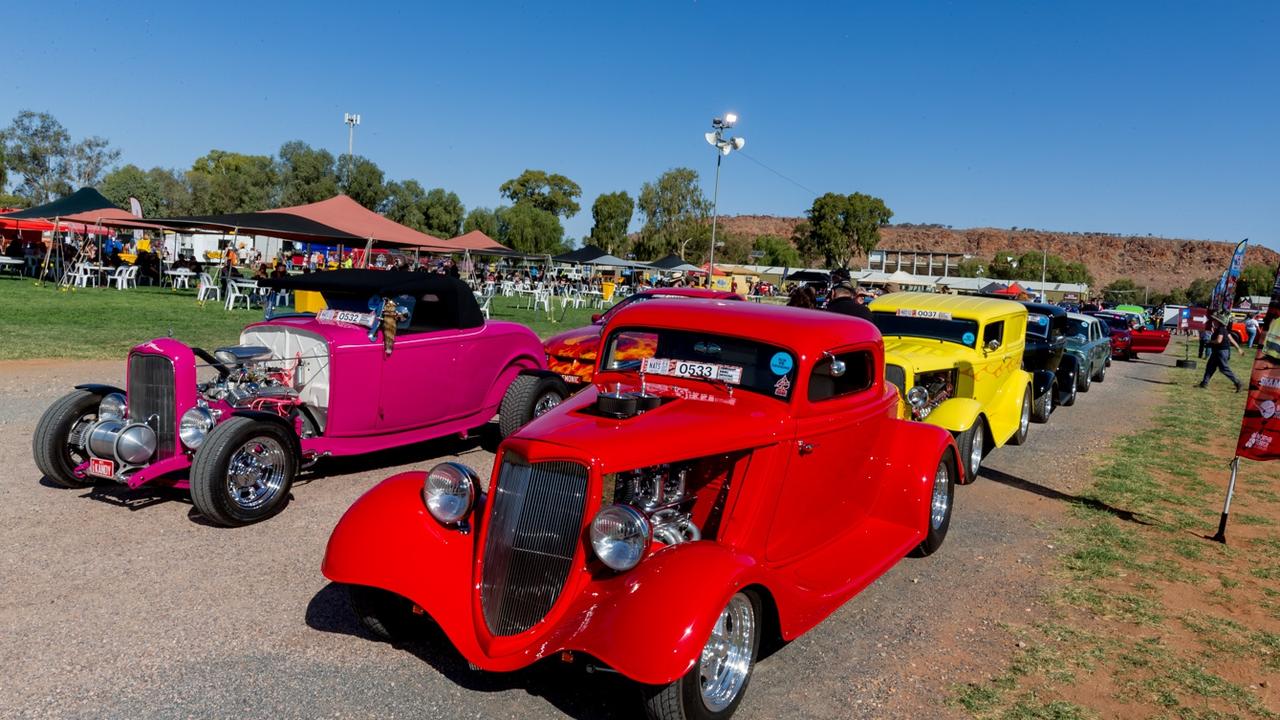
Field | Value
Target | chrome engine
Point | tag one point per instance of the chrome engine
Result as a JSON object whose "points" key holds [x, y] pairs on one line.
{"points": [[930, 391], [660, 492], [253, 380]]}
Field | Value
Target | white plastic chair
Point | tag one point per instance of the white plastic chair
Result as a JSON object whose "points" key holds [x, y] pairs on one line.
{"points": [[81, 276], [119, 277], [131, 277], [541, 298], [240, 290], [485, 301], [182, 280], [207, 289]]}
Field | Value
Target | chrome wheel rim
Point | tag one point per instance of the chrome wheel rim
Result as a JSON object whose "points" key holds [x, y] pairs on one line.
{"points": [[1025, 421], [256, 473], [975, 452], [941, 496], [726, 658], [74, 448], [546, 404]]}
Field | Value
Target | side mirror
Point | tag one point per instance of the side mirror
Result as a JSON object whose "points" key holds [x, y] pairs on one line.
{"points": [[992, 345]]}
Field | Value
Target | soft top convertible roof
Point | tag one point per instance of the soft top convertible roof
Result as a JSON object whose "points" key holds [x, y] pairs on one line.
{"points": [[442, 301]]}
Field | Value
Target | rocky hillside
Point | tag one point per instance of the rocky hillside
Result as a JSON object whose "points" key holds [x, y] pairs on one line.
{"points": [[1163, 264]]}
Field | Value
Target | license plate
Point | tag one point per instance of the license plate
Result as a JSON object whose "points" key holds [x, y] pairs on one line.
{"points": [[347, 317], [730, 374], [103, 468], [571, 379]]}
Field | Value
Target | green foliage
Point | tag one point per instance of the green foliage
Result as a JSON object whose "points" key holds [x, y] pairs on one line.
{"points": [[1199, 291], [1255, 279], [552, 193], [612, 214], [161, 192], [528, 229], [777, 251], [484, 220], [437, 212], [306, 174], [229, 182], [444, 213], [1122, 290], [361, 179], [88, 160], [840, 227], [675, 213], [37, 147], [972, 267]]}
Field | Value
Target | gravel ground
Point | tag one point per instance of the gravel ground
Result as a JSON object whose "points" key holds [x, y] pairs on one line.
{"points": [[118, 604]]}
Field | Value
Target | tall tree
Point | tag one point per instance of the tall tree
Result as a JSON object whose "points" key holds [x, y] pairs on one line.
{"points": [[484, 220], [228, 182], [306, 174], [1255, 279], [776, 250], [841, 227], [552, 192], [1200, 290], [528, 229], [362, 181], [973, 267], [444, 213], [675, 217], [172, 192], [1122, 290], [130, 181], [612, 214], [404, 204], [89, 159], [36, 147]]}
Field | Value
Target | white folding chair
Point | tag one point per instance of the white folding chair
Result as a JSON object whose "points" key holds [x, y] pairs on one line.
{"points": [[119, 277], [81, 276], [240, 290], [207, 289], [131, 277], [182, 280], [485, 301]]}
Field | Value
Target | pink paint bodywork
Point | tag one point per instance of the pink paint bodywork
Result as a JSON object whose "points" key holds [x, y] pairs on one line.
{"points": [[827, 496]]}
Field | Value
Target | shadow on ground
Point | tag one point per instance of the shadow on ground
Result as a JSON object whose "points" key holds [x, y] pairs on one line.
{"points": [[1047, 492], [567, 686]]}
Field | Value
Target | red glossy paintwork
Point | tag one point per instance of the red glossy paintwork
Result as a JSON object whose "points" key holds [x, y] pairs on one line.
{"points": [[572, 353], [809, 529], [1132, 340]]}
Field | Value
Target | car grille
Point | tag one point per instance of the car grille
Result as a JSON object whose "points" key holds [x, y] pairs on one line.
{"points": [[897, 376], [534, 529], [151, 393]]}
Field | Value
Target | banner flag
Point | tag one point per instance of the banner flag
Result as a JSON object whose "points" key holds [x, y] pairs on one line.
{"points": [[1260, 428], [1224, 293]]}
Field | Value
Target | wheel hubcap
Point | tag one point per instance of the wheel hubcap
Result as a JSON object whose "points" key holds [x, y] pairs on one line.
{"points": [[1026, 414], [256, 473], [74, 447], [545, 404], [941, 495], [726, 658], [975, 453]]}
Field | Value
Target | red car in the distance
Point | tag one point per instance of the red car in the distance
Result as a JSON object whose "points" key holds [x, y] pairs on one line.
{"points": [[1128, 338], [732, 489], [572, 353]]}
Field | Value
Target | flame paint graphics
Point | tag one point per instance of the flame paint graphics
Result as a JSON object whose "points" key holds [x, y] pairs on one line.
{"points": [[576, 356]]}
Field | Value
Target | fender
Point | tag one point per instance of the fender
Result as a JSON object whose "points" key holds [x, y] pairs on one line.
{"points": [[1042, 381], [1067, 371], [955, 414], [262, 416], [518, 365], [99, 389], [913, 454]]}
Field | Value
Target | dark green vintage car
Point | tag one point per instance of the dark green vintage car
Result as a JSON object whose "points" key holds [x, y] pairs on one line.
{"points": [[1090, 342]]}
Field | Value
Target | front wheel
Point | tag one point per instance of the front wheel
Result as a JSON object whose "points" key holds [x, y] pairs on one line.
{"points": [[387, 616], [56, 445], [972, 444], [529, 397], [243, 471], [714, 687], [1024, 419], [1084, 381], [1044, 405]]}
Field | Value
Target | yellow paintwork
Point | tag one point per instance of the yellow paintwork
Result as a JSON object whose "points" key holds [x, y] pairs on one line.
{"points": [[988, 383]]}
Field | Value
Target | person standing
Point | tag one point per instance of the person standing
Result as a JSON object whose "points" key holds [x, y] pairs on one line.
{"points": [[1251, 327], [1220, 344], [843, 302]]}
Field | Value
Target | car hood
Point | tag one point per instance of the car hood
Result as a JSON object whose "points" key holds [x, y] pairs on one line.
{"points": [[920, 355], [695, 420], [582, 343]]}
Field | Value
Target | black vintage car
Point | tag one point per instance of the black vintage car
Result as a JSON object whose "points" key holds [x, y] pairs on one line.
{"points": [[1053, 371]]}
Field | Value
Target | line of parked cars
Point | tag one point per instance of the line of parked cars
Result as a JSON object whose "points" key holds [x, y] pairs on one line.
{"points": [[688, 481]]}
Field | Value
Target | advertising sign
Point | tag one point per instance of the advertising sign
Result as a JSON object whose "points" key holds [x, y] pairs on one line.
{"points": [[1260, 428], [1224, 293]]}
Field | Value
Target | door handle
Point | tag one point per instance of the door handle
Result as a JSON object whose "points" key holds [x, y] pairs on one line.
{"points": [[805, 447]]}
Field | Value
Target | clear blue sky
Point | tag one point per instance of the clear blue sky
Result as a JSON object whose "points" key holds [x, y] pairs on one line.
{"points": [[1155, 117]]}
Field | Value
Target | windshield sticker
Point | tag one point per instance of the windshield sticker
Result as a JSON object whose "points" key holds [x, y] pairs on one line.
{"points": [[781, 363], [1041, 319], [329, 316], [968, 338], [929, 314], [731, 374], [783, 387]]}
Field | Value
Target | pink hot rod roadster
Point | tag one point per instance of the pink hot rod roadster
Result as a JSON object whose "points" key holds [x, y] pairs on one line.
{"points": [[396, 358], [737, 483]]}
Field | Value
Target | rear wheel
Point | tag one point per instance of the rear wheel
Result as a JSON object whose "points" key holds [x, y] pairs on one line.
{"points": [[1084, 381], [1070, 399], [944, 489], [55, 446], [1102, 371], [243, 471], [1043, 406], [1024, 419], [527, 398], [972, 444], [714, 687]]}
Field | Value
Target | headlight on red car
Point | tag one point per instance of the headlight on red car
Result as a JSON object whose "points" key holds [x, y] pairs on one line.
{"points": [[619, 536], [450, 492]]}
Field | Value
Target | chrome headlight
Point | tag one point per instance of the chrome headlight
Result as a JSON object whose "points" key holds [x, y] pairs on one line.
{"points": [[619, 535], [917, 396], [449, 492], [112, 407], [195, 424]]}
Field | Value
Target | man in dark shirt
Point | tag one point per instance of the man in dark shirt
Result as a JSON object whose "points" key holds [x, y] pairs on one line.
{"points": [[1219, 345], [843, 302]]}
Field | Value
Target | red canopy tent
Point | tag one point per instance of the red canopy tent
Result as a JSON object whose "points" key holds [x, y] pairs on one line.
{"points": [[478, 241], [349, 216]]}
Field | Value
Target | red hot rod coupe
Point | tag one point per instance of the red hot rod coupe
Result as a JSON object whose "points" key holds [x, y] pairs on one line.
{"points": [[751, 468], [299, 388]]}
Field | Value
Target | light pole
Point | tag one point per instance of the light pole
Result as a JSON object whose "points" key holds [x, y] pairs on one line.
{"points": [[723, 146], [352, 120]]}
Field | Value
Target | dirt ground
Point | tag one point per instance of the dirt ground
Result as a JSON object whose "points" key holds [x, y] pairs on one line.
{"points": [[118, 604]]}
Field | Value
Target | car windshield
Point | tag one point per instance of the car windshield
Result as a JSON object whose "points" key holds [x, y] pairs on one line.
{"points": [[738, 362], [1038, 325], [963, 332], [1077, 327], [1116, 323]]}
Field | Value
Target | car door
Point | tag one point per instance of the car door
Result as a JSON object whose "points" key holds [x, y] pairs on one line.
{"points": [[419, 380]]}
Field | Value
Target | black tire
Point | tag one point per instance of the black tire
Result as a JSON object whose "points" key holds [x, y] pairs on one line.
{"points": [[51, 448], [211, 490], [937, 531], [1084, 381], [976, 434], [528, 397], [1024, 420], [1070, 399], [1042, 408], [387, 616], [1102, 372], [682, 699]]}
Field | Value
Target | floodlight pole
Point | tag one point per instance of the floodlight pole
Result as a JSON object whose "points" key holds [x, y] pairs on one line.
{"points": [[352, 120], [715, 200]]}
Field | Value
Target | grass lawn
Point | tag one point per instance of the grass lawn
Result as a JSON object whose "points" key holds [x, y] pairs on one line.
{"points": [[103, 323]]}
